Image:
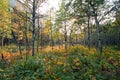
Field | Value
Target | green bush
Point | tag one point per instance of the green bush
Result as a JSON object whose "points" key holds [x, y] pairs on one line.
{"points": [[31, 69]]}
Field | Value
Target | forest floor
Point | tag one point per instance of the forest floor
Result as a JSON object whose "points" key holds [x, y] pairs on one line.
{"points": [[77, 63]]}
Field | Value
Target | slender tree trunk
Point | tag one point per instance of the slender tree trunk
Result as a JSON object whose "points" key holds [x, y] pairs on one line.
{"points": [[65, 36], [105, 33], [91, 44], [59, 43], [18, 43], [41, 39], [89, 41], [51, 38], [76, 38], [84, 42], [70, 43], [19, 46], [27, 44], [38, 36], [119, 38], [62, 43], [38, 43], [2, 42], [33, 28], [2, 56], [98, 33], [98, 28]]}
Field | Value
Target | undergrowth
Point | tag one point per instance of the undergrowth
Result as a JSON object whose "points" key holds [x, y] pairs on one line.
{"points": [[78, 63]]}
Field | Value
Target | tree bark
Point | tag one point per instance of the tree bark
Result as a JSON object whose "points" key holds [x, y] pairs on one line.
{"points": [[65, 36], [89, 41], [33, 28], [119, 38], [70, 43], [41, 39], [98, 27], [51, 37], [98, 33], [38, 36], [2, 42], [27, 44], [76, 35], [19, 45]]}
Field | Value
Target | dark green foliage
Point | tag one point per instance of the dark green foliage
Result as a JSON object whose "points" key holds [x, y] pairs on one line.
{"points": [[89, 67], [31, 69]]}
